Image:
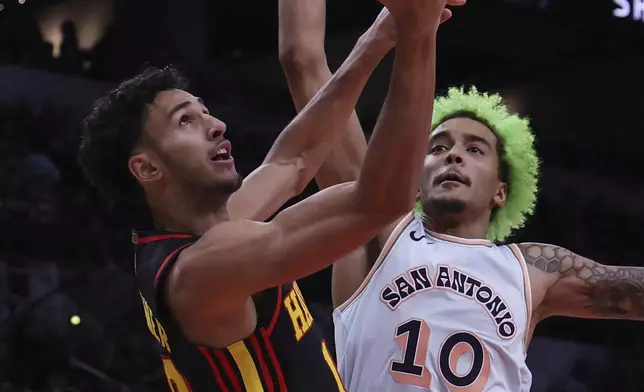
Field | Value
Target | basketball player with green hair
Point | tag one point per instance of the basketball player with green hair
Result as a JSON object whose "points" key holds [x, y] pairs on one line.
{"points": [[444, 307], [519, 164]]}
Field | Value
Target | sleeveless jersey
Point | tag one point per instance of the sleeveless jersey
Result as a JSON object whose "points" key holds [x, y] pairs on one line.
{"points": [[286, 352], [438, 312]]}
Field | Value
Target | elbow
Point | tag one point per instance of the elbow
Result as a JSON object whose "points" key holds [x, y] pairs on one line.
{"points": [[304, 175], [299, 59], [301, 183]]}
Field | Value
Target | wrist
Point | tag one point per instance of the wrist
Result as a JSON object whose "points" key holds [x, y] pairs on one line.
{"points": [[416, 46], [407, 32]]}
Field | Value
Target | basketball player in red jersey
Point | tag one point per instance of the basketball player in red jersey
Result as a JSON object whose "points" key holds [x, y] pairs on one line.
{"points": [[217, 284], [479, 182]]}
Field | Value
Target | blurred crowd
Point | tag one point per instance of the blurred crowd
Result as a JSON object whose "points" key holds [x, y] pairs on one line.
{"points": [[111, 58], [41, 188], [26, 47], [54, 226]]}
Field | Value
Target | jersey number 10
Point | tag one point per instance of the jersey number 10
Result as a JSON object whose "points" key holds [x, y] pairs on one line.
{"points": [[413, 337]]}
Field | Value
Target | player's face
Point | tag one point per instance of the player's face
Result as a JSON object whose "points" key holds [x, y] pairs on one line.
{"points": [[461, 169], [184, 145]]}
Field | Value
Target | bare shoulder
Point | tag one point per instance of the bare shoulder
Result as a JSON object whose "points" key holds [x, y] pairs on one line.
{"points": [[576, 286], [222, 245], [219, 260], [544, 264], [226, 239], [558, 262], [550, 259]]}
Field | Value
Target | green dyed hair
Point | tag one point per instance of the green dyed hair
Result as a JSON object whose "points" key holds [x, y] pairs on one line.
{"points": [[517, 153]]}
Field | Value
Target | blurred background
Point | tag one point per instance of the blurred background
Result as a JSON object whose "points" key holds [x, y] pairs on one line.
{"points": [[70, 319]]}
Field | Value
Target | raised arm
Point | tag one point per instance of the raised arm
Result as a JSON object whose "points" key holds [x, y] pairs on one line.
{"points": [[325, 105], [212, 280], [572, 285], [303, 59]]}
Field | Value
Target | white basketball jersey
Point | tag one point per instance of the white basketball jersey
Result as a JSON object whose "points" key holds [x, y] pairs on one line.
{"points": [[437, 313]]}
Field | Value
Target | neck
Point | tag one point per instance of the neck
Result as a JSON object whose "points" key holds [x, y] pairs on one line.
{"points": [[457, 224], [189, 212]]}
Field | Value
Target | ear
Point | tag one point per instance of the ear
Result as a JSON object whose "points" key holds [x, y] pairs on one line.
{"points": [[143, 168], [500, 196]]}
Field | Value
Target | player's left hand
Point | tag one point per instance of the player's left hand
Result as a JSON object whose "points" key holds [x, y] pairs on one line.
{"points": [[386, 29]]}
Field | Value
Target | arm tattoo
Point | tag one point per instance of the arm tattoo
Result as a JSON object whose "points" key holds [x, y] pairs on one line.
{"points": [[611, 292]]}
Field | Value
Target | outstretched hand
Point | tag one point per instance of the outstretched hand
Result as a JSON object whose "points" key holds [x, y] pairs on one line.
{"points": [[415, 16], [385, 28]]}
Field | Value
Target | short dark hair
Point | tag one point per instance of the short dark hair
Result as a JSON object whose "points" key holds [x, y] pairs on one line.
{"points": [[115, 126]]}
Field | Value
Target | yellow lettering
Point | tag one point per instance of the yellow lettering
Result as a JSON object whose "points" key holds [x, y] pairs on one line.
{"points": [[163, 337], [307, 314], [299, 313], [155, 327], [176, 381], [148, 317]]}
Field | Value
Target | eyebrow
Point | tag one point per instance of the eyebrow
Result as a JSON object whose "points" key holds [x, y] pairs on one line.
{"points": [[474, 138], [438, 135], [183, 105], [468, 137]]}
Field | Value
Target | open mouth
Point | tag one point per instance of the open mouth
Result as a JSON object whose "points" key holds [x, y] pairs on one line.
{"points": [[451, 176], [222, 153]]}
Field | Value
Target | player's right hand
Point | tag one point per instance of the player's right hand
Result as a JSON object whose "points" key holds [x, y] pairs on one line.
{"points": [[417, 17]]}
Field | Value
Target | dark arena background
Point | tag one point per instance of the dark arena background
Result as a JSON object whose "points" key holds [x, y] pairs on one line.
{"points": [[70, 317]]}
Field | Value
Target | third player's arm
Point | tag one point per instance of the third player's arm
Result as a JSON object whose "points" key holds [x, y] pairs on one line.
{"points": [[303, 59], [576, 286], [306, 142], [214, 277]]}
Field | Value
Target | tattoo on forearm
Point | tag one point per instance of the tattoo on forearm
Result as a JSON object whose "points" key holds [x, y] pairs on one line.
{"points": [[608, 291]]}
